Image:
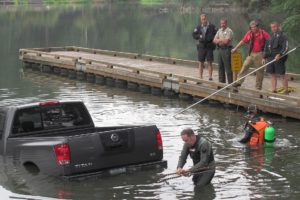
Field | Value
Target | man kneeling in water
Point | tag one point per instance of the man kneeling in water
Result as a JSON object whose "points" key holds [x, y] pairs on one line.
{"points": [[255, 128], [200, 150]]}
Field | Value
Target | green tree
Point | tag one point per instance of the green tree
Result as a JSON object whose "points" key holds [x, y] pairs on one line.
{"points": [[253, 5], [292, 7]]}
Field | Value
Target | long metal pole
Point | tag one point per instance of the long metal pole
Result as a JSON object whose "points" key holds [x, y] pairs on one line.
{"points": [[227, 86]]}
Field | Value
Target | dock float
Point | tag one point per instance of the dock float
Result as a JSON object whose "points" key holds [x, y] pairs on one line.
{"points": [[157, 75]]}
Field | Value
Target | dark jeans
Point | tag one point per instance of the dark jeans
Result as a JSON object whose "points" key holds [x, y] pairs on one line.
{"points": [[225, 65]]}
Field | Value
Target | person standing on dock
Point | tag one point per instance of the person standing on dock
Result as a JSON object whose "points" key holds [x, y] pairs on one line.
{"points": [[205, 33], [274, 49], [200, 150], [223, 40], [256, 38]]}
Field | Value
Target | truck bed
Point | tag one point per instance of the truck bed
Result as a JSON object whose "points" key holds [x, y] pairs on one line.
{"points": [[60, 139], [72, 132]]}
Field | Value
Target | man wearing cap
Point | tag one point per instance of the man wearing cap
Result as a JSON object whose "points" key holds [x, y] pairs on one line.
{"points": [[255, 38], [223, 40], [200, 150]]}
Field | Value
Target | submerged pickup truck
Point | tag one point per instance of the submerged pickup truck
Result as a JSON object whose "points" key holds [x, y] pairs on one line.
{"points": [[59, 138]]}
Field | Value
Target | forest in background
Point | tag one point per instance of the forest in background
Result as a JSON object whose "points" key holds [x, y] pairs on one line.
{"points": [[151, 27], [291, 8]]}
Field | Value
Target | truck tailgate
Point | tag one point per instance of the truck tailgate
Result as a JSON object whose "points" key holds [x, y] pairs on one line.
{"points": [[116, 148]]}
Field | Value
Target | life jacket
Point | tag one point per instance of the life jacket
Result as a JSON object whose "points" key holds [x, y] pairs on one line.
{"points": [[258, 136], [261, 39]]}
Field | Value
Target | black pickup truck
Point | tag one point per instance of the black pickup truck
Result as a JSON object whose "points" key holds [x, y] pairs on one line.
{"points": [[59, 138]]}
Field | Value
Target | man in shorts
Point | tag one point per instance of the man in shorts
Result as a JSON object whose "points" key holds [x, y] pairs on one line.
{"points": [[275, 48], [205, 33]]}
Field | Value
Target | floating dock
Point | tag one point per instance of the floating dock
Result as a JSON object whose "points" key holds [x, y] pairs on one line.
{"points": [[157, 75]]}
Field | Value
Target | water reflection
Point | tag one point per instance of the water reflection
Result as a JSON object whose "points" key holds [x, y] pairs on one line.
{"points": [[129, 27], [241, 172]]}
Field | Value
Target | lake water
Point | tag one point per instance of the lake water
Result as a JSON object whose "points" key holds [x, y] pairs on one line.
{"points": [[160, 29]]}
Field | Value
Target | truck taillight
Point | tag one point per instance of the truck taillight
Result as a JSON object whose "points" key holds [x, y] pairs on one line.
{"points": [[62, 153], [159, 142], [46, 103]]}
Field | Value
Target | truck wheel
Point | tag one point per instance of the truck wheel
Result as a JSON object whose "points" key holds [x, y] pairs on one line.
{"points": [[100, 80], [90, 78], [121, 83], [31, 168]]}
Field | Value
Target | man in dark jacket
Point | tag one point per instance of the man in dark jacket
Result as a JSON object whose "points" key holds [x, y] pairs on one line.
{"points": [[274, 49], [205, 33], [200, 150]]}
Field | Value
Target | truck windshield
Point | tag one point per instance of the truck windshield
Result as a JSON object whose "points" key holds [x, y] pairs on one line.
{"points": [[65, 115]]}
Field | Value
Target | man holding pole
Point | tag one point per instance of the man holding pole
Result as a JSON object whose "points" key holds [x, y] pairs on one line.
{"points": [[200, 150], [223, 40], [255, 38], [274, 49]]}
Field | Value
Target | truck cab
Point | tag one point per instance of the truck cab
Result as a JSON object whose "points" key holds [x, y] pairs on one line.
{"points": [[59, 138]]}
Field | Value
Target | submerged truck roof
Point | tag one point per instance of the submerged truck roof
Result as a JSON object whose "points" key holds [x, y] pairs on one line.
{"points": [[50, 115], [40, 103]]}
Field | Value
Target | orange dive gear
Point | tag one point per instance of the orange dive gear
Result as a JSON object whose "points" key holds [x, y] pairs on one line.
{"points": [[258, 136]]}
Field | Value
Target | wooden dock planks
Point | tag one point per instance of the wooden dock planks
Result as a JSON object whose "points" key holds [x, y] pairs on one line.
{"points": [[178, 75]]}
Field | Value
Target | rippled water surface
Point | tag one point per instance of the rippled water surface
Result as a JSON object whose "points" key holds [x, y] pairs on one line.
{"points": [[242, 173]]}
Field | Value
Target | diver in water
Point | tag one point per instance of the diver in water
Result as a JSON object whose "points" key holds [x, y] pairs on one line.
{"points": [[257, 130]]}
